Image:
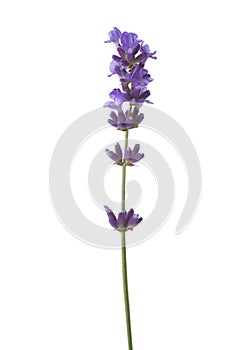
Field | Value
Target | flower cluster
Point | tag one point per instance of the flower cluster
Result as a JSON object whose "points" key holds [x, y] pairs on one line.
{"points": [[125, 221], [130, 156], [129, 65], [125, 120], [134, 78]]}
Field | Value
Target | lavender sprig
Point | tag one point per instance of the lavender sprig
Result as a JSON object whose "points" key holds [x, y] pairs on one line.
{"points": [[128, 64]]}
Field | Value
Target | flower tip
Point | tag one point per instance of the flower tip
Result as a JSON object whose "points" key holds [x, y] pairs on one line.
{"points": [[130, 214], [139, 220], [107, 209]]}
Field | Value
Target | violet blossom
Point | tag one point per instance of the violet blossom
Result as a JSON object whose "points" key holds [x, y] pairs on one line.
{"points": [[133, 156], [130, 157], [125, 220], [125, 120]]}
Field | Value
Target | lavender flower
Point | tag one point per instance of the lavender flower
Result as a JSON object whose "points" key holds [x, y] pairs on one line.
{"points": [[114, 35], [145, 54], [128, 65], [133, 156], [124, 121], [130, 157], [129, 41], [137, 96], [118, 98], [125, 221], [117, 155], [140, 77]]}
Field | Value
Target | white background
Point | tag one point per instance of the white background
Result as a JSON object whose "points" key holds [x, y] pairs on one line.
{"points": [[187, 292]]}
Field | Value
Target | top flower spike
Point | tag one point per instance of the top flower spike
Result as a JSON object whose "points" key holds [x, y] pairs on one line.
{"points": [[129, 66]]}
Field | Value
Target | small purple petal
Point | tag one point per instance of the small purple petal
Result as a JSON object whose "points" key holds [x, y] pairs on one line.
{"points": [[115, 58], [113, 116], [132, 222], [135, 112], [136, 92], [141, 57], [128, 154], [145, 94], [121, 52], [137, 157], [135, 149], [139, 118], [130, 56], [112, 122], [121, 219], [136, 49], [112, 155], [111, 217], [113, 220], [139, 220], [121, 116], [118, 150], [107, 209], [148, 101], [108, 104], [124, 63], [128, 215]]}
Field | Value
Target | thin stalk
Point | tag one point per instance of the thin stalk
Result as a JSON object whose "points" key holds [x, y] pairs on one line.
{"points": [[124, 176], [124, 262]]}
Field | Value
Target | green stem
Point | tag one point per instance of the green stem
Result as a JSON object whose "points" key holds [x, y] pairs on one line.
{"points": [[126, 293], [124, 176], [124, 262]]}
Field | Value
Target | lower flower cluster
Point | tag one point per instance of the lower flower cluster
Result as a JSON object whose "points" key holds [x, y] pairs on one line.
{"points": [[125, 220]]}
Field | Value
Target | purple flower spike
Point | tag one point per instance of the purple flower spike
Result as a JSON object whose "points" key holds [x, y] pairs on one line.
{"points": [[133, 156], [128, 64], [125, 221], [117, 155]]}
